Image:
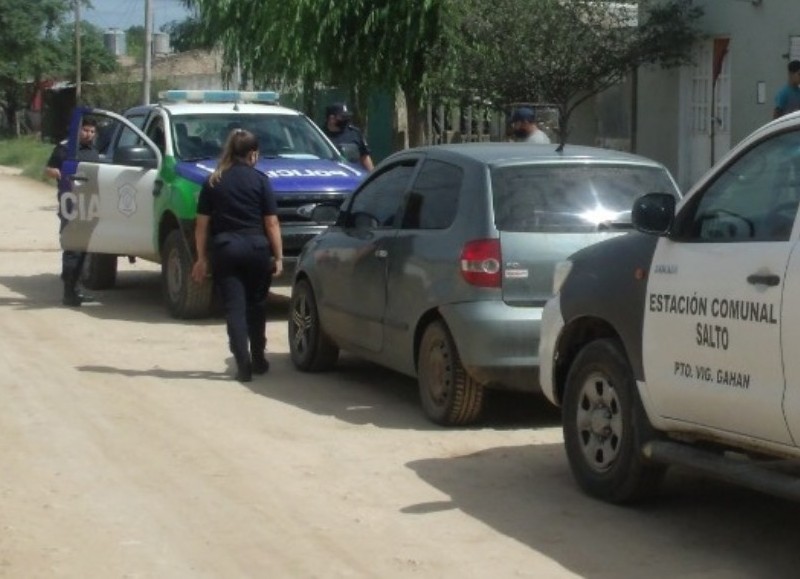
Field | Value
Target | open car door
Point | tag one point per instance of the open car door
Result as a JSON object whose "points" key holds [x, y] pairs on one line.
{"points": [[109, 202]]}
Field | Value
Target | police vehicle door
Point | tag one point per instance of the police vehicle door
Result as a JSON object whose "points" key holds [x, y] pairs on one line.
{"points": [[790, 312], [712, 326], [352, 275], [113, 196]]}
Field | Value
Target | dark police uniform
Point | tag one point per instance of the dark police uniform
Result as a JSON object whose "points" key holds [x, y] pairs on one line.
{"points": [[240, 256], [71, 261], [351, 136]]}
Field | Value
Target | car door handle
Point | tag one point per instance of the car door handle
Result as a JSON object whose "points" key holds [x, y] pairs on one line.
{"points": [[78, 178], [381, 253], [769, 279]]}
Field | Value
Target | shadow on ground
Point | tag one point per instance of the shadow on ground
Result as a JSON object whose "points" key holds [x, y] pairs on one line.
{"points": [[136, 297], [695, 527], [360, 392]]}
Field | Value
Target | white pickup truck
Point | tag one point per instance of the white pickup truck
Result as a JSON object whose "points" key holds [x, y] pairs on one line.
{"points": [[680, 343]]}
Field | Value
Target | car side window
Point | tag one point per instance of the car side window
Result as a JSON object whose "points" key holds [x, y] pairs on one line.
{"points": [[156, 133], [377, 204], [433, 200], [754, 199]]}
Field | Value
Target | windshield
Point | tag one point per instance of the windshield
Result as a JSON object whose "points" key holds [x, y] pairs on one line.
{"points": [[571, 198], [287, 136]]}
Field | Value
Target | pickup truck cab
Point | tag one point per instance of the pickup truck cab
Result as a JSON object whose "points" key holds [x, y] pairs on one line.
{"points": [[678, 344], [140, 198]]}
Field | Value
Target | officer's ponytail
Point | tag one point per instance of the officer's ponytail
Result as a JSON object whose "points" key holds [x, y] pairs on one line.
{"points": [[239, 144]]}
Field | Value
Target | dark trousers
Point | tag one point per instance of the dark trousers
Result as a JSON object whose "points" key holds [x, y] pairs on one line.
{"points": [[242, 270], [71, 261]]}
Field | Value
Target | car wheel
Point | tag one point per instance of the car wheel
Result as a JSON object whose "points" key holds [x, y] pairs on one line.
{"points": [[185, 299], [310, 348], [605, 426], [449, 395], [99, 271]]}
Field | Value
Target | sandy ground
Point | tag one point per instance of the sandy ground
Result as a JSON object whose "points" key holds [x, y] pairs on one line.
{"points": [[126, 450]]}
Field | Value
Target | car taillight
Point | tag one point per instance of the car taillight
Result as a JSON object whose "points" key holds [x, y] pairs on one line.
{"points": [[480, 263]]}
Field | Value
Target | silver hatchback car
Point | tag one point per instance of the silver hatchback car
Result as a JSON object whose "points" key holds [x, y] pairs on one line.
{"points": [[439, 264]]}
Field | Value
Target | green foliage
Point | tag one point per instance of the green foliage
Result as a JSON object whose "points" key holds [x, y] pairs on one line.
{"points": [[27, 153], [28, 47], [95, 58], [562, 52], [134, 42], [359, 45], [187, 35], [557, 51]]}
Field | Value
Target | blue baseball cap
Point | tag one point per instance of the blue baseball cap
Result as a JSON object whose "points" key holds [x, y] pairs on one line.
{"points": [[523, 114]]}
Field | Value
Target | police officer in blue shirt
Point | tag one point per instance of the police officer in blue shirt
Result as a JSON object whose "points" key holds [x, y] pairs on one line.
{"points": [[344, 135], [72, 261], [237, 228]]}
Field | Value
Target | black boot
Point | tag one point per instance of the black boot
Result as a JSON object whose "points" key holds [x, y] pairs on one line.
{"points": [[71, 296], [244, 370], [74, 297], [260, 364]]}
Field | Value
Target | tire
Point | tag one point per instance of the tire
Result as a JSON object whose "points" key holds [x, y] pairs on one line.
{"points": [[605, 426], [310, 347], [449, 395], [99, 271], [185, 299]]}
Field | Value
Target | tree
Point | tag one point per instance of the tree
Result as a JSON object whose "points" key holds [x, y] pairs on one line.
{"points": [[564, 52], [360, 45], [187, 35], [28, 48], [134, 43], [95, 58]]}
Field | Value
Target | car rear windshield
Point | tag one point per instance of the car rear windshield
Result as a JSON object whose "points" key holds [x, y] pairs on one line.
{"points": [[289, 136], [571, 198]]}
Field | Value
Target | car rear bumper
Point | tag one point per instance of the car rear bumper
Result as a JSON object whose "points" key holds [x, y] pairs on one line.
{"points": [[498, 344]]}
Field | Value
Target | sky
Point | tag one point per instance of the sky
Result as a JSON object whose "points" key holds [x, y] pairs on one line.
{"points": [[126, 13]]}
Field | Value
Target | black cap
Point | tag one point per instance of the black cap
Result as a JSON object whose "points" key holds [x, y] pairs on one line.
{"points": [[523, 114], [337, 109]]}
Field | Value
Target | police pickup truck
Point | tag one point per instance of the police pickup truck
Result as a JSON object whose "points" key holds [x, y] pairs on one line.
{"points": [[140, 198], [679, 344]]}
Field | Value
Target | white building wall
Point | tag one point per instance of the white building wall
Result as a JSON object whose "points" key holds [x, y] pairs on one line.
{"points": [[760, 33]]}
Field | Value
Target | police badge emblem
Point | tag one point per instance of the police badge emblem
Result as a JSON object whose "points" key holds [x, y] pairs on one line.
{"points": [[127, 200]]}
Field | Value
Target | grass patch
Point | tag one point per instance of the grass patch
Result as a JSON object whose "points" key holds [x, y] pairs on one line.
{"points": [[27, 153]]}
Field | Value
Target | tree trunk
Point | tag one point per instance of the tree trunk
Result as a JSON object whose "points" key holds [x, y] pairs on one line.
{"points": [[417, 115]]}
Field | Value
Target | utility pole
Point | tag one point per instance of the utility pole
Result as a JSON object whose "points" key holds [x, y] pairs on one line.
{"points": [[77, 4], [148, 50]]}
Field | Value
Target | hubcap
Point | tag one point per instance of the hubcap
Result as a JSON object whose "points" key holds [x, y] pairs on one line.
{"points": [[599, 422], [302, 323], [439, 372]]}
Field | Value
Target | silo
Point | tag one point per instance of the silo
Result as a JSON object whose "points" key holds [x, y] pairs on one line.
{"points": [[114, 40], [160, 43]]}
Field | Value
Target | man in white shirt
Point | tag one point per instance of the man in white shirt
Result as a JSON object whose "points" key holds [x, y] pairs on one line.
{"points": [[524, 128]]}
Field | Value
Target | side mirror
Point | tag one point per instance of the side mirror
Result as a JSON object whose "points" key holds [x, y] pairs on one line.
{"points": [[654, 213], [325, 213], [142, 157]]}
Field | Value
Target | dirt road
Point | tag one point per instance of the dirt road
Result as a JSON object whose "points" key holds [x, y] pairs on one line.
{"points": [[126, 450]]}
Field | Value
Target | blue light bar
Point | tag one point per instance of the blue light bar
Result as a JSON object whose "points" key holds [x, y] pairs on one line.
{"points": [[218, 96]]}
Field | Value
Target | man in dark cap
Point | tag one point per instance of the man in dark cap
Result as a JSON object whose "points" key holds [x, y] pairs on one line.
{"points": [[524, 128], [345, 136]]}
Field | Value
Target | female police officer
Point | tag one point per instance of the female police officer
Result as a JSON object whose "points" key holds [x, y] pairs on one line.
{"points": [[238, 226]]}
